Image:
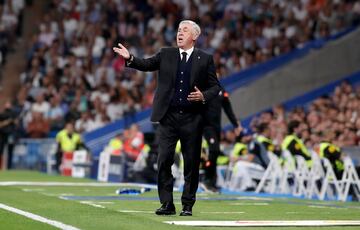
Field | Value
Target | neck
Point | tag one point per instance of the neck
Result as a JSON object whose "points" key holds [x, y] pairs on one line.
{"points": [[186, 48]]}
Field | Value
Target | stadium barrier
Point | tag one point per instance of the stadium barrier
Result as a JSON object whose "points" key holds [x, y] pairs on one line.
{"points": [[76, 164], [111, 167], [38, 154], [316, 182]]}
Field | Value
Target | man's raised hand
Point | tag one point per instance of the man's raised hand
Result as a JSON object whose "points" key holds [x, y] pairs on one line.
{"points": [[122, 51]]}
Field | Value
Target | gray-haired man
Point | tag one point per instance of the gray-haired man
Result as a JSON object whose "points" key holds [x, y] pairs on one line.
{"points": [[186, 81]]}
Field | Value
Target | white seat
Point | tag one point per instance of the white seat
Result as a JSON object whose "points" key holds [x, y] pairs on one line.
{"points": [[349, 177], [331, 186], [270, 181], [301, 177], [316, 174]]}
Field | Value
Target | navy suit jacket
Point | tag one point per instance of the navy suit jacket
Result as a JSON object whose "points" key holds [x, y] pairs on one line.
{"points": [[203, 76]]}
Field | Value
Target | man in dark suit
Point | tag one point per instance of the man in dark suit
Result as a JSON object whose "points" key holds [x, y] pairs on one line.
{"points": [[186, 82], [212, 130]]}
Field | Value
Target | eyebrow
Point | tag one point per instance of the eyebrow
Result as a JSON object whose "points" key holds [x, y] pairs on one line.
{"points": [[184, 28]]}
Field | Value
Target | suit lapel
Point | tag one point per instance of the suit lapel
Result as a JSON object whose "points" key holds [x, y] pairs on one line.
{"points": [[194, 66], [176, 57]]}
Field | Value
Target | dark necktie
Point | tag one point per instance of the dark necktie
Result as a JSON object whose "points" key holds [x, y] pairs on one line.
{"points": [[183, 59]]}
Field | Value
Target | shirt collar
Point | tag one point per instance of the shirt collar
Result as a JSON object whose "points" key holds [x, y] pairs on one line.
{"points": [[188, 52]]}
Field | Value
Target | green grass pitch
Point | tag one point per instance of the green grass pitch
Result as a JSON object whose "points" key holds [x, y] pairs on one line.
{"points": [[47, 202]]}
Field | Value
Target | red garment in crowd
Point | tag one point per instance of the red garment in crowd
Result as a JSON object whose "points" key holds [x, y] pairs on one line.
{"points": [[133, 146], [118, 64]]}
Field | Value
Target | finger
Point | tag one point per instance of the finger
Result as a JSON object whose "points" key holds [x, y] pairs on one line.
{"points": [[118, 51], [196, 88], [121, 46], [193, 99]]}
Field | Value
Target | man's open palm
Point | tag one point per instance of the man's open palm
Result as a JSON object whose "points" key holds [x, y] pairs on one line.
{"points": [[122, 51]]}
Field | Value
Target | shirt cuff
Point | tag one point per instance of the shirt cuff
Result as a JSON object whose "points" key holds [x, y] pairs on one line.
{"points": [[130, 60]]}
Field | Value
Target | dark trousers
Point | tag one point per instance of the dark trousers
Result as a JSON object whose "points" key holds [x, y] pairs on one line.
{"points": [[3, 144], [10, 155], [212, 136], [187, 127], [58, 159]]}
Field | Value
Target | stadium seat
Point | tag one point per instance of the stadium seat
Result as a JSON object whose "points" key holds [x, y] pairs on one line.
{"points": [[272, 176]]}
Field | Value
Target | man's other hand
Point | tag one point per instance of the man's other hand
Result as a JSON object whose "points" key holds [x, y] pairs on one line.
{"points": [[196, 96]]}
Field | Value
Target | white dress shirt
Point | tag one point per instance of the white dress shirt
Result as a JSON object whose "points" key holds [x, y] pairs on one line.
{"points": [[188, 52]]}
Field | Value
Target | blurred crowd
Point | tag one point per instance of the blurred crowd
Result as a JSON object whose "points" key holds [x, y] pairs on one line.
{"points": [[11, 14], [73, 75], [334, 118]]}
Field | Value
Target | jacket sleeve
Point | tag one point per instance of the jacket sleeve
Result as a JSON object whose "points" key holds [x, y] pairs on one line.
{"points": [[213, 86], [144, 64], [225, 103]]}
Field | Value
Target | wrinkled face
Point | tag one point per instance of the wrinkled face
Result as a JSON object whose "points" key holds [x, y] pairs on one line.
{"points": [[186, 36]]}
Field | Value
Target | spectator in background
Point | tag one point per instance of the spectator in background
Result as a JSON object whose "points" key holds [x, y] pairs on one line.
{"points": [[247, 165], [84, 123], [133, 142], [38, 127], [294, 145], [56, 113], [11, 13], [212, 129], [41, 106], [7, 129], [115, 109], [68, 141], [116, 144], [157, 23]]}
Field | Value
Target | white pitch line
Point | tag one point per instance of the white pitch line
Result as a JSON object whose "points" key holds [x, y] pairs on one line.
{"points": [[90, 184], [49, 194], [250, 204], [56, 194], [66, 194], [224, 212], [254, 198], [33, 189], [266, 223], [202, 194], [325, 207], [92, 204], [135, 211], [105, 202], [35, 217]]}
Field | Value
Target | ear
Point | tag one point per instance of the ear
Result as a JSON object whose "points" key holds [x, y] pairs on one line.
{"points": [[194, 36]]}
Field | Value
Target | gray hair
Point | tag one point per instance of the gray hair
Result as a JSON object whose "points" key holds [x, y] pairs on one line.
{"points": [[195, 26]]}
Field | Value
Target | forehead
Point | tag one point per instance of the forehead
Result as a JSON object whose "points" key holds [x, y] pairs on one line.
{"points": [[185, 25]]}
